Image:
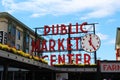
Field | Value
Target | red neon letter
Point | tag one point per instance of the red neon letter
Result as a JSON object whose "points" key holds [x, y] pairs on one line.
{"points": [[46, 56], [76, 27], [52, 59], [87, 59], [77, 42], [46, 29], [60, 44], [104, 67], [44, 46], [51, 45], [70, 29], [35, 45], [55, 29], [69, 44], [78, 58], [63, 29], [60, 59], [70, 58], [81, 27]]}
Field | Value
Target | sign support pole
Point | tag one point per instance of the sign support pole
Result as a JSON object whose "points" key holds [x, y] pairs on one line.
{"points": [[95, 55], [69, 51]]}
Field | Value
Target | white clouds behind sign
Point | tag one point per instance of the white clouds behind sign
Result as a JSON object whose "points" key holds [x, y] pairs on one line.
{"points": [[95, 8]]}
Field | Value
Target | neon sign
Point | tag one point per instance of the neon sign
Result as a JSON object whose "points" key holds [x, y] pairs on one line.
{"points": [[62, 44]]}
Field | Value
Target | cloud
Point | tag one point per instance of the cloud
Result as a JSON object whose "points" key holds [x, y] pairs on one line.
{"points": [[9, 5], [95, 8], [111, 41], [110, 21], [102, 36], [36, 15], [97, 14], [107, 40]]}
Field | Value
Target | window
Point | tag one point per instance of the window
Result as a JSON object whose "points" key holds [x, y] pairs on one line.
{"points": [[11, 34], [18, 46], [27, 51], [27, 38], [31, 41], [18, 35], [26, 42], [1, 36]]}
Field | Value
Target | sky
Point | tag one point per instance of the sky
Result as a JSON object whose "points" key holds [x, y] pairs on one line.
{"points": [[37, 13]]}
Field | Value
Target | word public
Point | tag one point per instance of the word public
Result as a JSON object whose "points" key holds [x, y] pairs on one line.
{"points": [[63, 29]]}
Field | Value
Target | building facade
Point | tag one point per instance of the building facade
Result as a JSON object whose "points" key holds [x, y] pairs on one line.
{"points": [[117, 44], [15, 34]]}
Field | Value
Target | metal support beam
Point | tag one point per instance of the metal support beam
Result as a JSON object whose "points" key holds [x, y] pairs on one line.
{"points": [[53, 76], [35, 41], [69, 42], [98, 70], [33, 75], [5, 72], [95, 54]]}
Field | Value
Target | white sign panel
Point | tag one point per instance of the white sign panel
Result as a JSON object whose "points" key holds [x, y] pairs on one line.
{"points": [[77, 69], [110, 67]]}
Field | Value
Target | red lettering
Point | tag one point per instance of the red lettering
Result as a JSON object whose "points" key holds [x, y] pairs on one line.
{"points": [[69, 44], [118, 67], [51, 45], [76, 42], [87, 59], [114, 67], [70, 58], [44, 46], [52, 59], [60, 44], [61, 59], [35, 45], [76, 27], [104, 67], [109, 68], [55, 29], [46, 29], [78, 58], [63, 29], [81, 27], [70, 29], [46, 56]]}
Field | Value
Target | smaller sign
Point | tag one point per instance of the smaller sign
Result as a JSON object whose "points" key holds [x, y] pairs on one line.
{"points": [[110, 67], [5, 38], [1, 36], [78, 69]]}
